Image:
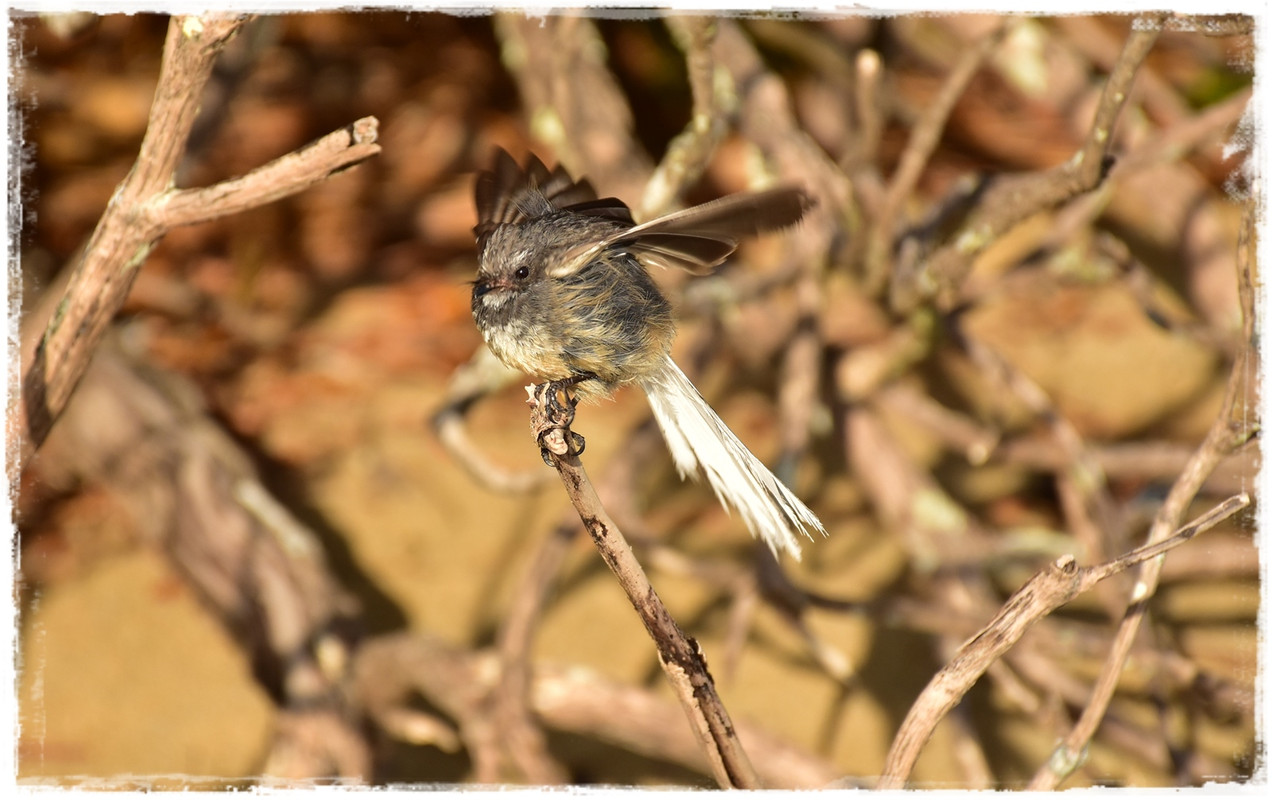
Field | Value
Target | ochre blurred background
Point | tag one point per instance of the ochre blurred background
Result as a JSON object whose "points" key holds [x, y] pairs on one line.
{"points": [[311, 341]]}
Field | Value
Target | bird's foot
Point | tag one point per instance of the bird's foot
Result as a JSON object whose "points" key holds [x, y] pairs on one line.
{"points": [[554, 405]]}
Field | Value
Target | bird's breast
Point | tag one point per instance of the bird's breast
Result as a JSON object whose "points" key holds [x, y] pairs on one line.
{"points": [[525, 345]]}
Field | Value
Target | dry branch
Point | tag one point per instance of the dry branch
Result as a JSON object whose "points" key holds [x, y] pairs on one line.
{"points": [[1011, 200], [1044, 593], [280, 178], [1225, 436], [145, 207], [680, 656]]}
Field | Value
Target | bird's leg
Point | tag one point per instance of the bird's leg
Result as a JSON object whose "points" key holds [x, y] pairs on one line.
{"points": [[556, 403]]}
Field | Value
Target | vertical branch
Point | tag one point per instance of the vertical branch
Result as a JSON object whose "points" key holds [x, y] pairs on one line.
{"points": [[679, 654], [687, 155]]}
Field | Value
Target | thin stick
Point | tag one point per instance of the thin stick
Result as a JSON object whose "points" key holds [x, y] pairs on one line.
{"points": [[918, 151], [688, 154], [280, 178], [1012, 199], [1224, 436], [1058, 584], [142, 210], [679, 654]]}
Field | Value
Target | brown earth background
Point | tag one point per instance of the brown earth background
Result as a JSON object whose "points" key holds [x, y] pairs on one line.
{"points": [[953, 447]]}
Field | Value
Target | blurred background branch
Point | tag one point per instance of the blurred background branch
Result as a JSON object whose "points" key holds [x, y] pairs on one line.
{"points": [[1017, 327], [144, 208]]}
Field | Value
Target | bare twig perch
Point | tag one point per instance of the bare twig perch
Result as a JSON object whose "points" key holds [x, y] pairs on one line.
{"points": [[679, 654], [145, 207], [1058, 584]]}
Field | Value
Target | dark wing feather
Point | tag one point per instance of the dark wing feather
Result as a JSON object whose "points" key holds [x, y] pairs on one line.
{"points": [[699, 238], [696, 239], [606, 207], [735, 216], [511, 195], [689, 251], [496, 194]]}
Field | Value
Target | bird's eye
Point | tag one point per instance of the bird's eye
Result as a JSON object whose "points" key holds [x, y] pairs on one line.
{"points": [[522, 273]]}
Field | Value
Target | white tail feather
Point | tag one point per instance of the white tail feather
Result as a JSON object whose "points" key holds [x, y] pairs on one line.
{"points": [[700, 443]]}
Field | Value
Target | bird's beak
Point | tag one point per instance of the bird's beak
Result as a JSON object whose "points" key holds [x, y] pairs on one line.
{"points": [[484, 285]]}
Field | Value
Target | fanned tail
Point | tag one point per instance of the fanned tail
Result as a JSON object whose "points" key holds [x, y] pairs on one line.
{"points": [[701, 444]]}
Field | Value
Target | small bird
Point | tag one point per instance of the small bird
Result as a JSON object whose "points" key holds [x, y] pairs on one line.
{"points": [[563, 293]]}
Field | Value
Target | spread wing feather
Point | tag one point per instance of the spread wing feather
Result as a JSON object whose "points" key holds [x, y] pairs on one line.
{"points": [[511, 195], [696, 239], [699, 238]]}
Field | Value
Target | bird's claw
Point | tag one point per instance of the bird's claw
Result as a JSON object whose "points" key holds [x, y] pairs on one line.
{"points": [[551, 445], [556, 404], [561, 401]]}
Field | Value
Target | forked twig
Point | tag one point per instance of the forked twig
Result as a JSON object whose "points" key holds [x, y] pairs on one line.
{"points": [[1011, 200], [679, 654], [1058, 584], [1225, 436], [145, 207]]}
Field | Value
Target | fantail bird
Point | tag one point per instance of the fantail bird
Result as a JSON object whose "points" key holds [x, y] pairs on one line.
{"points": [[562, 293]]}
